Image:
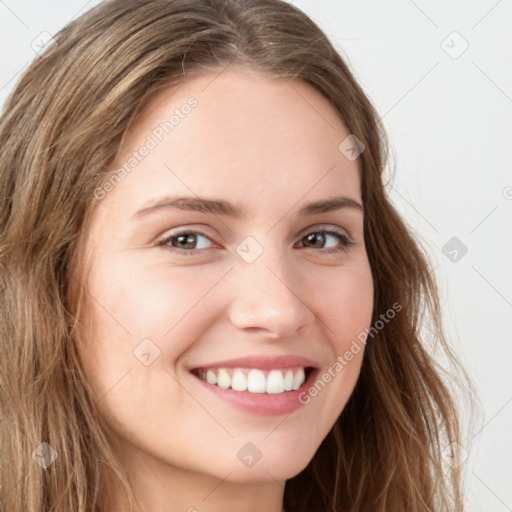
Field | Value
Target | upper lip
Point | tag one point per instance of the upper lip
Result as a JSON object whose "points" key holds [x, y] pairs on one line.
{"points": [[261, 362]]}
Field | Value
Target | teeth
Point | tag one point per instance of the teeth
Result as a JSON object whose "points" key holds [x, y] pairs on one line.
{"points": [[256, 381], [288, 381], [272, 382], [239, 381], [275, 382], [298, 379], [211, 378], [223, 379]]}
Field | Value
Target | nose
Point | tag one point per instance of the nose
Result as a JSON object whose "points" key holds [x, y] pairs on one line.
{"points": [[268, 299]]}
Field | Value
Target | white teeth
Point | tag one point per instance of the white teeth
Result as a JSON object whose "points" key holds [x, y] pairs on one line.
{"points": [[273, 382], [239, 381], [223, 379], [256, 381], [288, 381], [299, 379], [211, 378]]}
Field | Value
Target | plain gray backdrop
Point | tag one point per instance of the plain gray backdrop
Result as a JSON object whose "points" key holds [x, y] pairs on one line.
{"points": [[440, 76]]}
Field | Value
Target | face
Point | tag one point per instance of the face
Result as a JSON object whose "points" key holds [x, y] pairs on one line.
{"points": [[228, 280]]}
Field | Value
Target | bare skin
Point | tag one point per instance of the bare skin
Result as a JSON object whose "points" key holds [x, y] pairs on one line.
{"points": [[272, 149]]}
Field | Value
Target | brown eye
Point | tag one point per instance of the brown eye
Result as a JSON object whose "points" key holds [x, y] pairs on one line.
{"points": [[331, 240], [186, 241], [315, 240]]}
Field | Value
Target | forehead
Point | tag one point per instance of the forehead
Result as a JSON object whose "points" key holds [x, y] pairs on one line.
{"points": [[237, 133]]}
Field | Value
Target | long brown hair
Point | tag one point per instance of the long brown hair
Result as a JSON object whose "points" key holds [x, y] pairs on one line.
{"points": [[61, 129]]}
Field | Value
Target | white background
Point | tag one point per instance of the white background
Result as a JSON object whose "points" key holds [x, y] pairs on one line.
{"points": [[449, 118]]}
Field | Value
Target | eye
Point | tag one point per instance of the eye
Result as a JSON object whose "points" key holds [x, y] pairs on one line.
{"points": [[331, 239], [186, 242], [327, 241]]}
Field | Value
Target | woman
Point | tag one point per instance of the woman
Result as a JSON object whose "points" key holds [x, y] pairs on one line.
{"points": [[208, 301]]}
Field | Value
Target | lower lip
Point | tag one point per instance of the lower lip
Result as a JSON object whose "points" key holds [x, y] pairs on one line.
{"points": [[263, 404]]}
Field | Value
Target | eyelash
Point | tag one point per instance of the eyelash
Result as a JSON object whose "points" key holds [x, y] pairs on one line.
{"points": [[346, 241]]}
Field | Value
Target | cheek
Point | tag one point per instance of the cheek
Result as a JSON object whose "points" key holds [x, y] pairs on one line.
{"points": [[131, 312], [344, 306], [344, 302], [150, 302]]}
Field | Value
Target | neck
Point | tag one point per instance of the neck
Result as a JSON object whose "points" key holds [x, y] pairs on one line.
{"points": [[159, 487]]}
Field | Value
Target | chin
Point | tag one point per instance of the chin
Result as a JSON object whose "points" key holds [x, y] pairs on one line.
{"points": [[274, 465]]}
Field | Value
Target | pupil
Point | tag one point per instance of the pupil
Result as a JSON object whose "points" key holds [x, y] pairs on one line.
{"points": [[313, 238], [182, 240]]}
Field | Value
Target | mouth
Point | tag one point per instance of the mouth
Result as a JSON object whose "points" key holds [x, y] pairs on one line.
{"points": [[258, 385], [256, 380]]}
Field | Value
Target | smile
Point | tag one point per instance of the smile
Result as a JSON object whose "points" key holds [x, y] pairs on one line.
{"points": [[255, 380], [260, 384]]}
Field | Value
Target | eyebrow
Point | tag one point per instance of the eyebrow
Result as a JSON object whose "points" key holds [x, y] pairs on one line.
{"points": [[222, 207]]}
